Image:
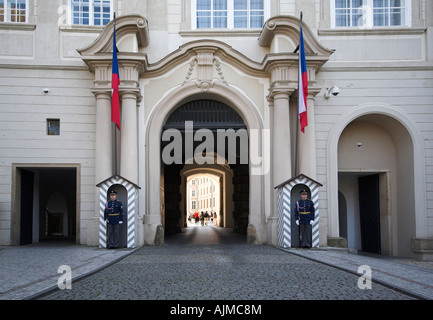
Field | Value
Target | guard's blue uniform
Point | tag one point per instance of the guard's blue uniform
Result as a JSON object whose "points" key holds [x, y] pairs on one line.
{"points": [[113, 211], [113, 214], [304, 211]]}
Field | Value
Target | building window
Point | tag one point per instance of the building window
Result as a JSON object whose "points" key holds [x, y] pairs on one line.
{"points": [[91, 12], [211, 13], [229, 14], [389, 13], [347, 12], [371, 13], [53, 127], [248, 14], [13, 11]]}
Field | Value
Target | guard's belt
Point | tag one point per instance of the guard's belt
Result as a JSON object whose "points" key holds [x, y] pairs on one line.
{"points": [[305, 212], [113, 214]]}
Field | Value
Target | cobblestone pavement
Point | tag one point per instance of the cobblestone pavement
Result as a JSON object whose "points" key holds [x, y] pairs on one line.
{"points": [[415, 277], [28, 270], [220, 270]]}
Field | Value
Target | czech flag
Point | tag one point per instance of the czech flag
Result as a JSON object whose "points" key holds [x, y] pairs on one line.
{"points": [[115, 81], [302, 85]]}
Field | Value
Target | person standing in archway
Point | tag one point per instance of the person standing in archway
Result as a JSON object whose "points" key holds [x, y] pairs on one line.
{"points": [[304, 215], [113, 215]]}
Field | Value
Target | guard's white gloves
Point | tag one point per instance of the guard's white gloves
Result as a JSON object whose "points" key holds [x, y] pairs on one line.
{"points": [[297, 222], [120, 222], [311, 222]]}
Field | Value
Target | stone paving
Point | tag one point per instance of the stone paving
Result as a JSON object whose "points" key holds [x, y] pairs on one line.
{"points": [[228, 272], [204, 263], [414, 277], [220, 271], [28, 270]]}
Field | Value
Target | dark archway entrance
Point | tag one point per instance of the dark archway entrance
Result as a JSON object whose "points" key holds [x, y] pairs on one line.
{"points": [[45, 204], [210, 129]]}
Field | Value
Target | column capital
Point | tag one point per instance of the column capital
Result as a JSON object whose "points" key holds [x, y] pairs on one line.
{"points": [[101, 93], [130, 93], [281, 90], [313, 91]]}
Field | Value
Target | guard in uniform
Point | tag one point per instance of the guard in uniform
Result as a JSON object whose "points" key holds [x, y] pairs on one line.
{"points": [[304, 214], [113, 215]]}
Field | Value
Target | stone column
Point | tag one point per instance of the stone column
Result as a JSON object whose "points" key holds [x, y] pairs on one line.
{"points": [[281, 155], [307, 140], [104, 141], [129, 136]]}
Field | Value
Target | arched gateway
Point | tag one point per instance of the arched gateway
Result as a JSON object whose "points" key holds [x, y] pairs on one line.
{"points": [[261, 94], [205, 133], [158, 119]]}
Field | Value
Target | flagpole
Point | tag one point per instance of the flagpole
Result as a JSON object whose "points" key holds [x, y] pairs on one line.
{"points": [[116, 167], [115, 149], [297, 111]]}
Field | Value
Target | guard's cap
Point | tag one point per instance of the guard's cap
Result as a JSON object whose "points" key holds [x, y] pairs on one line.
{"points": [[303, 192], [113, 192]]}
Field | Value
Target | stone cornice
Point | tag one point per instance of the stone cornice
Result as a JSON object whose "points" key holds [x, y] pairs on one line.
{"points": [[371, 31], [230, 56], [220, 50], [17, 26]]}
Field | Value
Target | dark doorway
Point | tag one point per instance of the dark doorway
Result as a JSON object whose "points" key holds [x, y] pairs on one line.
{"points": [[342, 215], [216, 117], [26, 214], [47, 202], [369, 210]]}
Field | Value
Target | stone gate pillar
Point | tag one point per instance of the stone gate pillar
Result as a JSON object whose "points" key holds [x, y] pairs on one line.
{"points": [[307, 140], [103, 139], [129, 135], [282, 75]]}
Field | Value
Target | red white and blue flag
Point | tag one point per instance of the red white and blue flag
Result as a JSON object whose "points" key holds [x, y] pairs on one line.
{"points": [[302, 85], [115, 81]]}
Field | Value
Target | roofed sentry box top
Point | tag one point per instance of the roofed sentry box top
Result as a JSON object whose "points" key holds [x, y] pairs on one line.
{"points": [[299, 177], [117, 179]]}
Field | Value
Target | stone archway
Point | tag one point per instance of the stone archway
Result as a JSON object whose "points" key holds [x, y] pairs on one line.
{"points": [[155, 123], [407, 171], [224, 176]]}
